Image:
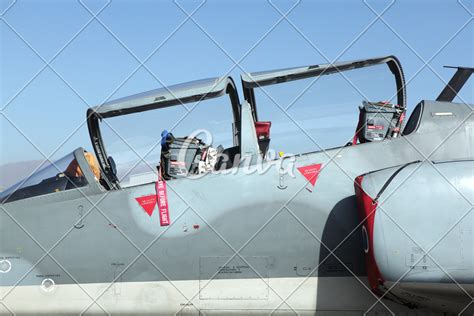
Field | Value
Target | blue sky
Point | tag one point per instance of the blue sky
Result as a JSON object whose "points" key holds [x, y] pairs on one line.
{"points": [[95, 64]]}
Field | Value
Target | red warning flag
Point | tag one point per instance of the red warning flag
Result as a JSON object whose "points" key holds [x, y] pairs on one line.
{"points": [[310, 172], [148, 203]]}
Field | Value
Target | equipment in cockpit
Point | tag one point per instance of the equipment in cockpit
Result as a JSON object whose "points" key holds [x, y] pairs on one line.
{"points": [[185, 156], [378, 121]]}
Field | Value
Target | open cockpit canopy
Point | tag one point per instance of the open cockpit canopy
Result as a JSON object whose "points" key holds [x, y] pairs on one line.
{"points": [[313, 108], [167, 96], [253, 80], [147, 127]]}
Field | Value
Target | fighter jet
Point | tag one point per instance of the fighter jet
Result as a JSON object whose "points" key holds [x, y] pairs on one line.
{"points": [[379, 224]]}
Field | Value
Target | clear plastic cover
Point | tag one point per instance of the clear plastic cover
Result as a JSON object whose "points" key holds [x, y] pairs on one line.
{"points": [[63, 174]]}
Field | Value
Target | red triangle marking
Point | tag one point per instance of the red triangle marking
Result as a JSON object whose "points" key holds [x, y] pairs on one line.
{"points": [[310, 172], [148, 203]]}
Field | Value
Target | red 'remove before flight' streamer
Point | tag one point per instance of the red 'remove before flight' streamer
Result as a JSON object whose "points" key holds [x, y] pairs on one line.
{"points": [[162, 202]]}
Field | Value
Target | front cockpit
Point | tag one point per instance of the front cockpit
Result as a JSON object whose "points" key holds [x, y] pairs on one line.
{"points": [[132, 142]]}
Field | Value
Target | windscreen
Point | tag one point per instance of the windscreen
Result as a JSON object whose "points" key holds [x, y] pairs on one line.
{"points": [[322, 112], [134, 140], [61, 175]]}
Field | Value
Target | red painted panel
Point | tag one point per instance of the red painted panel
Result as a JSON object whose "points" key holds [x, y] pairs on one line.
{"points": [[367, 209]]}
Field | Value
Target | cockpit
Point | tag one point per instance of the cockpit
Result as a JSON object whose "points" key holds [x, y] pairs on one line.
{"points": [[203, 127], [132, 147], [197, 126]]}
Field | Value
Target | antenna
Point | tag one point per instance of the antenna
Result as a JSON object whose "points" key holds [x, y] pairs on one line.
{"points": [[456, 83]]}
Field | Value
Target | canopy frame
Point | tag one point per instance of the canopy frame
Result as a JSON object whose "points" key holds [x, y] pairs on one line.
{"points": [[194, 91], [250, 81]]}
